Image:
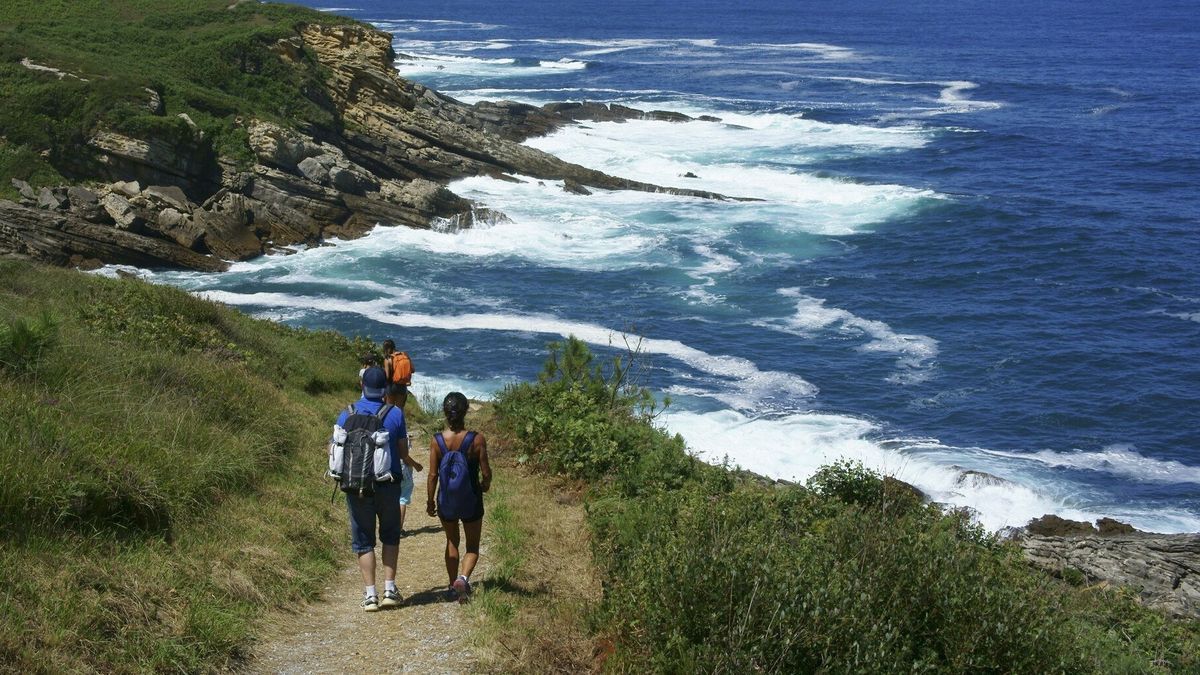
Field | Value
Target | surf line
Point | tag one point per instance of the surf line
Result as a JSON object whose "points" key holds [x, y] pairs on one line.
{"points": [[750, 380]]}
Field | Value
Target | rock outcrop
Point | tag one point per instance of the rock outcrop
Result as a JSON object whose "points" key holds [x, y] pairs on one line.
{"points": [[387, 159], [1163, 568]]}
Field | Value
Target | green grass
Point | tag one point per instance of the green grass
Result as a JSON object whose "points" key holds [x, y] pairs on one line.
{"points": [[206, 60], [162, 459], [708, 570]]}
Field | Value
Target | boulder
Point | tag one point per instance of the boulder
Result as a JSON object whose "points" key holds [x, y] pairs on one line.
{"points": [[573, 187], [226, 229], [312, 169], [24, 189], [154, 102], [1051, 525], [1109, 526], [128, 188], [123, 213], [48, 199], [172, 196], [80, 196]]}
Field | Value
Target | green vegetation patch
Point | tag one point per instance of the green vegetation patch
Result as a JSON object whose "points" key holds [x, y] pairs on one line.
{"points": [[162, 459], [209, 59], [710, 570]]}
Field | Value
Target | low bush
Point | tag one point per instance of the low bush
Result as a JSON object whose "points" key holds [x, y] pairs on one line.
{"points": [[709, 570]]}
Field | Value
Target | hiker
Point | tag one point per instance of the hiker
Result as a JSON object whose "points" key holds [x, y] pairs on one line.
{"points": [[382, 502], [457, 458], [398, 396], [399, 369], [368, 359]]}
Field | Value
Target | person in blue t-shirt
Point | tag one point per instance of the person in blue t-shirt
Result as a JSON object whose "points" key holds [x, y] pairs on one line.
{"points": [[384, 505]]}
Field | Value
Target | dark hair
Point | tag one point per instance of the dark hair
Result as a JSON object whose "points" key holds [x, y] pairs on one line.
{"points": [[369, 359], [397, 390], [389, 345], [455, 406]]}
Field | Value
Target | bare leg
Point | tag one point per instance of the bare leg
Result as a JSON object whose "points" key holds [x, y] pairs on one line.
{"points": [[403, 512], [366, 565], [472, 530], [390, 554], [451, 528]]}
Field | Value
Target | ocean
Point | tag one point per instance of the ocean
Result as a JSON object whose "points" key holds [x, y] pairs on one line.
{"points": [[976, 247]]}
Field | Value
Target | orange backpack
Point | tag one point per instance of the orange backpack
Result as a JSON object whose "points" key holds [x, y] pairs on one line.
{"points": [[402, 368]]}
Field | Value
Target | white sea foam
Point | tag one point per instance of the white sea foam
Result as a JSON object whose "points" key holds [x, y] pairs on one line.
{"points": [[715, 264], [746, 387], [433, 387], [415, 63], [1186, 316], [1119, 460], [916, 354], [793, 447]]}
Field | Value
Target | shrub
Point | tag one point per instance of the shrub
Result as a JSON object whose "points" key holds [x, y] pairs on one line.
{"points": [[24, 341], [705, 570]]}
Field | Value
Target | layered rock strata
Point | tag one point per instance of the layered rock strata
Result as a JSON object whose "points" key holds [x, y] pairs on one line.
{"points": [[385, 161]]}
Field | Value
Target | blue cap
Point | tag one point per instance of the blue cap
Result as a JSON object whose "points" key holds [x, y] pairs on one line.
{"points": [[374, 383]]}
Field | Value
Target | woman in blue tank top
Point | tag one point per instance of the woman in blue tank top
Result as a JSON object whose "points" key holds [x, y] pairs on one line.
{"points": [[459, 474]]}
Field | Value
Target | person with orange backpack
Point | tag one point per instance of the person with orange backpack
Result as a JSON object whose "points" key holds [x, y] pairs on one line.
{"points": [[399, 369]]}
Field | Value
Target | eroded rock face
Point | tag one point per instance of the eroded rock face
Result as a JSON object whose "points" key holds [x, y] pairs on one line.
{"points": [[1164, 569], [65, 239], [385, 162]]}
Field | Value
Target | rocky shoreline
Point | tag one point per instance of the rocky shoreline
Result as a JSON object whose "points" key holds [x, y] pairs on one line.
{"points": [[175, 203]]}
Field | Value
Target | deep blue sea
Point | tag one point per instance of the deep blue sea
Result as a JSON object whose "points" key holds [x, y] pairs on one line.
{"points": [[978, 245]]}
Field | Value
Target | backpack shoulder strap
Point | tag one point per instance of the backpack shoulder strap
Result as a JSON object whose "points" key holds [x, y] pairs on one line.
{"points": [[441, 442], [350, 410], [384, 410], [466, 442]]}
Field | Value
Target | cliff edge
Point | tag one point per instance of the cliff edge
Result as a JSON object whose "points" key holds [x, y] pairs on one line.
{"points": [[382, 152]]}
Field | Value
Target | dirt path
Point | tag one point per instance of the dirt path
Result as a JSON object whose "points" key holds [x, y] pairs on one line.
{"points": [[426, 634]]}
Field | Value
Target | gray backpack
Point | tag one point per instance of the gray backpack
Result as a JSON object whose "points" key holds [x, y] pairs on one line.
{"points": [[359, 453]]}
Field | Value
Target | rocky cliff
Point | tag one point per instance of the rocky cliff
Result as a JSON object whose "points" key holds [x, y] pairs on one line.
{"points": [[1163, 568], [174, 202]]}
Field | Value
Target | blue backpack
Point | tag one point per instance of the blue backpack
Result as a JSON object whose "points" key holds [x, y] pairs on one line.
{"points": [[458, 496]]}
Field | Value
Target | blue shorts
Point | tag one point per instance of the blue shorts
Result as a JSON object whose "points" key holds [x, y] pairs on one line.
{"points": [[364, 511], [406, 485]]}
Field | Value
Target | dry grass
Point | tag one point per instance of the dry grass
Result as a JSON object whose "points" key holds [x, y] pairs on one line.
{"points": [[541, 586]]}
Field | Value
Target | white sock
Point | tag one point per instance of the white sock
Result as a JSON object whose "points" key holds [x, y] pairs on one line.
{"points": [[389, 585], [369, 591]]}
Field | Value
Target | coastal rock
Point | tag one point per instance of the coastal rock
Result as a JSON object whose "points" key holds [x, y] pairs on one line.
{"points": [[385, 157], [81, 196], [168, 195], [154, 102], [977, 479], [1051, 525], [188, 162], [226, 229], [58, 238], [575, 188], [24, 189], [1164, 569], [51, 199], [123, 213]]}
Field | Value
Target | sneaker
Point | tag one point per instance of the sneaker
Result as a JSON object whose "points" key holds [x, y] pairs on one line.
{"points": [[370, 604], [391, 598], [462, 587], [450, 595]]}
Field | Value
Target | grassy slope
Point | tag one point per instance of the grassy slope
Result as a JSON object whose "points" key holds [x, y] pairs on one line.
{"points": [[162, 462], [205, 59]]}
